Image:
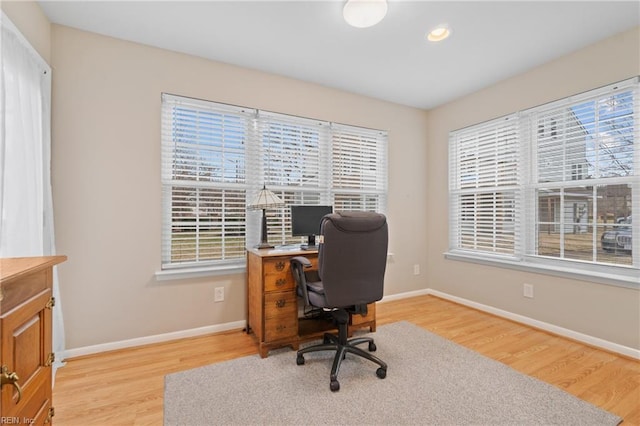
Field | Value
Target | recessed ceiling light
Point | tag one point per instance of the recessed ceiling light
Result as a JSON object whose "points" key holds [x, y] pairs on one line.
{"points": [[439, 33], [364, 13]]}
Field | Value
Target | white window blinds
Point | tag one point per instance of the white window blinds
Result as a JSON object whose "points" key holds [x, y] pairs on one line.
{"points": [[293, 164], [216, 157], [557, 184], [484, 187], [359, 168], [203, 181], [292, 149], [585, 182]]}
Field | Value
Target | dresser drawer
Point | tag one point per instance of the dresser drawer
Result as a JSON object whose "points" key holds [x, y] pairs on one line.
{"points": [[279, 304], [14, 292]]}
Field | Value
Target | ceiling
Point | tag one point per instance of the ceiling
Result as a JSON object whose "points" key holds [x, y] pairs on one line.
{"points": [[310, 41]]}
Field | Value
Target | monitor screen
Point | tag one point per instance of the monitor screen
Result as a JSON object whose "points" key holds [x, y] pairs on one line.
{"points": [[305, 221]]}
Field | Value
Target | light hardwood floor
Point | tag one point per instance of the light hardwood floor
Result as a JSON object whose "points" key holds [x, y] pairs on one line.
{"points": [[126, 387]]}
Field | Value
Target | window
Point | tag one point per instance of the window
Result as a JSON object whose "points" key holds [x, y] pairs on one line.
{"points": [[203, 181], [554, 187], [293, 164], [359, 168], [215, 159], [485, 196]]}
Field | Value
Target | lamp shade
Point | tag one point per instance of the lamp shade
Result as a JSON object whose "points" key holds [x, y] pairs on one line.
{"points": [[265, 200], [364, 13]]}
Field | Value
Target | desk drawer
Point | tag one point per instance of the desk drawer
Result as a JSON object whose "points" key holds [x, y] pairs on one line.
{"points": [[357, 319], [279, 282], [280, 304], [277, 275], [280, 328]]}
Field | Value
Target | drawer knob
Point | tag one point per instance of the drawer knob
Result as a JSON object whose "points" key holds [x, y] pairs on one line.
{"points": [[280, 282], [280, 303], [280, 266]]}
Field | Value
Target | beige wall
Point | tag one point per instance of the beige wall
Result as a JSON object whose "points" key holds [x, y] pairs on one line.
{"points": [[106, 179], [603, 311], [32, 23]]}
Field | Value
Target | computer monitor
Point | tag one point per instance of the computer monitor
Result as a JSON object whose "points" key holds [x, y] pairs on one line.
{"points": [[305, 222]]}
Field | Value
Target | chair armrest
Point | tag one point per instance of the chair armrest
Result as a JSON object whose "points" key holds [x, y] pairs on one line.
{"points": [[298, 265], [303, 261]]}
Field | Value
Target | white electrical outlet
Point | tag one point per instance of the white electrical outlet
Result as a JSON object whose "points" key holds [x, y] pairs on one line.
{"points": [[416, 269], [528, 290], [219, 294]]}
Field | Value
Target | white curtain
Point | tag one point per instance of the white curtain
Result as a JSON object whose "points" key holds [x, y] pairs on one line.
{"points": [[26, 206]]}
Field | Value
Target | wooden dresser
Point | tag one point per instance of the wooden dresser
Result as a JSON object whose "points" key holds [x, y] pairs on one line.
{"points": [[26, 356], [273, 304]]}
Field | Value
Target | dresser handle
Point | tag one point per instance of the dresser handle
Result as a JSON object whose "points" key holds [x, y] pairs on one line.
{"points": [[280, 303], [12, 378], [280, 282], [280, 266]]}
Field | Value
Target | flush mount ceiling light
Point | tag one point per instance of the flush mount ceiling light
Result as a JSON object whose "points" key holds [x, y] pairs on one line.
{"points": [[364, 13], [439, 33]]}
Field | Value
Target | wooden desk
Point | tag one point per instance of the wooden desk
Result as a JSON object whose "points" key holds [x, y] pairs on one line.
{"points": [[273, 304], [25, 329]]}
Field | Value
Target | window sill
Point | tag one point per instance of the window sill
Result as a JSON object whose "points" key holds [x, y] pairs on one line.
{"points": [[197, 272], [626, 278]]}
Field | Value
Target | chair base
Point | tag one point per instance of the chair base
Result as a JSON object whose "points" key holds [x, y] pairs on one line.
{"points": [[341, 345]]}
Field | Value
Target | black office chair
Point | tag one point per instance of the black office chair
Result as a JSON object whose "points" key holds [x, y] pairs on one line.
{"points": [[352, 259]]}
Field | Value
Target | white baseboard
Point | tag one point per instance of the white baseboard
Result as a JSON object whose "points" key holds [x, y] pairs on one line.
{"points": [[406, 295], [574, 335], [159, 338]]}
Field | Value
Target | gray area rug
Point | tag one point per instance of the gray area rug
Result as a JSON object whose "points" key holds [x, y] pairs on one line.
{"points": [[430, 381]]}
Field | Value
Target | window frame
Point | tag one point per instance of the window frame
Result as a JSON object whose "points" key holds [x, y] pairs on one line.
{"points": [[527, 257], [476, 174], [269, 143]]}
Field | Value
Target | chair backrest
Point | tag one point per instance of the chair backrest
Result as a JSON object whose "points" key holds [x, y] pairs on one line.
{"points": [[352, 257]]}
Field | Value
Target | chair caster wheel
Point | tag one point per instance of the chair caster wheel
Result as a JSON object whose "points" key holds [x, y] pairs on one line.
{"points": [[372, 347], [334, 386], [381, 373], [300, 360]]}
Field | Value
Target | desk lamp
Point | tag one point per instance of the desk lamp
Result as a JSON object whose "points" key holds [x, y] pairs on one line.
{"points": [[265, 200]]}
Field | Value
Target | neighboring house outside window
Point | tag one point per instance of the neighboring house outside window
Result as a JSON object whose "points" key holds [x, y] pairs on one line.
{"points": [[216, 157], [554, 188]]}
